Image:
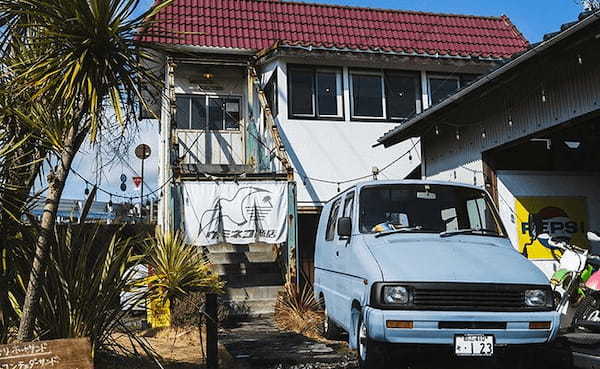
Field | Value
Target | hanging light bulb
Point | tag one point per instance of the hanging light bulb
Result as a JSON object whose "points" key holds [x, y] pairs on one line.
{"points": [[110, 202], [579, 60], [543, 95], [409, 155], [87, 190], [510, 121], [457, 135], [338, 187], [483, 133], [455, 174], [437, 130], [475, 179]]}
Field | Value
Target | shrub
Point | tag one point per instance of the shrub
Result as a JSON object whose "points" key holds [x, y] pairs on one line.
{"points": [[299, 311]]}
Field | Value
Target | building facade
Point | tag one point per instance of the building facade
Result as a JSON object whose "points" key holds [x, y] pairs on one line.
{"points": [[291, 96]]}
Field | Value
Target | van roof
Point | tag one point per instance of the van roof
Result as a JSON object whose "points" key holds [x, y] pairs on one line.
{"points": [[360, 185]]}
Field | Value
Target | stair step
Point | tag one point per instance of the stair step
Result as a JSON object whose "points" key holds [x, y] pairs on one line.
{"points": [[245, 280], [244, 268], [238, 257], [250, 306], [227, 248], [252, 293]]}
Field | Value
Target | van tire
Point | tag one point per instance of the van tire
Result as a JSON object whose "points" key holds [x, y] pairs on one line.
{"points": [[329, 330], [371, 354]]}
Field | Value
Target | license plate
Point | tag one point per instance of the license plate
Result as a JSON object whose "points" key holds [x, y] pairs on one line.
{"points": [[474, 345]]}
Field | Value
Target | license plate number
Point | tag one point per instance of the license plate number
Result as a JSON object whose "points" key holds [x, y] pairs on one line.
{"points": [[474, 345]]}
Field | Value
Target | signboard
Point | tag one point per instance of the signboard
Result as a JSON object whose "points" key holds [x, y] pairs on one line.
{"points": [[564, 218], [237, 213], [57, 354], [159, 312]]}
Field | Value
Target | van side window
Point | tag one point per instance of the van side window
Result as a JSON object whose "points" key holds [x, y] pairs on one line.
{"points": [[348, 205], [332, 222]]}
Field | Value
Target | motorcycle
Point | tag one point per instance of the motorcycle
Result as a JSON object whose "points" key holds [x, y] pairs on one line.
{"points": [[587, 313]]}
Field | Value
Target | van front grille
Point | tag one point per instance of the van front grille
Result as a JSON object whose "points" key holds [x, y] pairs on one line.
{"points": [[471, 298]]}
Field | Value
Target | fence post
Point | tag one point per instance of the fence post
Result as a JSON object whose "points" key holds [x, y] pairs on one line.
{"points": [[212, 351]]}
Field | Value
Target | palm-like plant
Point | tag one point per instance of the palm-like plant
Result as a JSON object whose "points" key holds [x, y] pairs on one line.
{"points": [[78, 57], [179, 269]]}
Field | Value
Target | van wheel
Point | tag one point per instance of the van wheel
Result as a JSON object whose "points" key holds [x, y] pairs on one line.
{"points": [[371, 354], [329, 329]]}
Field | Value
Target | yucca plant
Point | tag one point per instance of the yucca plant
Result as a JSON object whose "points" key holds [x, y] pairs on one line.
{"points": [[179, 269], [79, 57], [89, 269], [299, 311]]}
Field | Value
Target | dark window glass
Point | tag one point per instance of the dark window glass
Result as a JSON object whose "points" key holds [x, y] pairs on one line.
{"points": [[332, 221], [302, 92], [182, 115], [232, 114], [198, 113], [215, 114], [367, 96], [441, 88], [327, 93], [402, 93], [467, 79], [427, 208], [348, 205], [271, 94]]}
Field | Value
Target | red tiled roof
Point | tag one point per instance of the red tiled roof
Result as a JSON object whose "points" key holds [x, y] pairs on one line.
{"points": [[258, 24]]}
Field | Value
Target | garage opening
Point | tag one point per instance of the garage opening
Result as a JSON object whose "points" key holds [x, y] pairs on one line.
{"points": [[554, 174]]}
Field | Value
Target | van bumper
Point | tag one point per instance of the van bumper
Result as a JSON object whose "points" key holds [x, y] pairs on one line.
{"points": [[426, 326]]}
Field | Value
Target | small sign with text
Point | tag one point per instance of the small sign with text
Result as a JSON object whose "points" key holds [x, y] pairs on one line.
{"points": [[57, 354]]}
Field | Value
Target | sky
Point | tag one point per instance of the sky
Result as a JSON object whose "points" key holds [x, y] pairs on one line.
{"points": [[533, 18]]}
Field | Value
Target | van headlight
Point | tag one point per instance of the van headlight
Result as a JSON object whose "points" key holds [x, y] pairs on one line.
{"points": [[537, 298], [396, 295]]}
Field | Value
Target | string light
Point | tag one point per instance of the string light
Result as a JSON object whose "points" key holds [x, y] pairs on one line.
{"points": [[510, 121], [410, 155], [543, 95], [437, 131], [87, 190], [483, 133], [110, 202], [579, 60], [338, 187], [457, 135]]}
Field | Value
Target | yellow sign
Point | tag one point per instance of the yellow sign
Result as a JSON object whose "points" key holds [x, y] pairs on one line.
{"points": [[158, 312], [564, 218]]}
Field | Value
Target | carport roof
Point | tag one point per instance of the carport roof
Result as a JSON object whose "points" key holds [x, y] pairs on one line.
{"points": [[417, 125]]}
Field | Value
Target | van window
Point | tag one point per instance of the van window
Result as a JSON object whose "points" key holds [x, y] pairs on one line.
{"points": [[332, 222], [427, 208], [348, 205]]}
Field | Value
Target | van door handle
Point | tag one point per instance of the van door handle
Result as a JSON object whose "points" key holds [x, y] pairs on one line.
{"points": [[337, 253]]}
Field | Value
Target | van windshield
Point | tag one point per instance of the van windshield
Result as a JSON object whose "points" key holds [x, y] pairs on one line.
{"points": [[428, 208]]}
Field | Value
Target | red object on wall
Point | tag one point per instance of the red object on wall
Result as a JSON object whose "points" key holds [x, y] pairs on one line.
{"points": [[137, 182], [255, 25]]}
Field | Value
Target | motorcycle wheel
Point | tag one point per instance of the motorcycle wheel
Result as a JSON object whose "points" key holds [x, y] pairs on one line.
{"points": [[588, 309]]}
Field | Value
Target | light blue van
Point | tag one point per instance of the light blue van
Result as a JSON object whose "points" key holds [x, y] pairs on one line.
{"points": [[423, 262]]}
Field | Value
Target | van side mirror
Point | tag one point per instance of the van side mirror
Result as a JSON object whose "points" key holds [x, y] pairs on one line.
{"points": [[344, 227]]}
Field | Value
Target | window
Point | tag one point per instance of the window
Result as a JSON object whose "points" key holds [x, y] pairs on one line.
{"points": [[200, 112], [440, 87], [315, 92], [427, 208], [367, 95], [348, 205], [271, 94], [403, 93], [332, 221]]}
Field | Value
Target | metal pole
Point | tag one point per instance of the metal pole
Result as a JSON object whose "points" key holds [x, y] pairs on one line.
{"points": [[142, 194], [212, 353]]}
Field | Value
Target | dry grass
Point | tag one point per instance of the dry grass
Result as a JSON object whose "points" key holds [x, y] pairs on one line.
{"points": [[299, 312]]}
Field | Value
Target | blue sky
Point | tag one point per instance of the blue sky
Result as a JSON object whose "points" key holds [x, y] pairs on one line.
{"points": [[534, 18]]}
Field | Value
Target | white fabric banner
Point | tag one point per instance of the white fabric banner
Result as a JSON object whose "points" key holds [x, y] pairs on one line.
{"points": [[237, 213]]}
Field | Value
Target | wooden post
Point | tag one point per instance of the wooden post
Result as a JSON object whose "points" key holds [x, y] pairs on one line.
{"points": [[212, 322]]}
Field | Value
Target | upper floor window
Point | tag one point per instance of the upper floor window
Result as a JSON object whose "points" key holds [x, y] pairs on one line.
{"points": [[368, 95], [403, 91], [271, 94], [315, 92], [208, 112], [440, 87]]}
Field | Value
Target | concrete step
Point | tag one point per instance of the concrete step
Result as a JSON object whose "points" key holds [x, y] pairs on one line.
{"points": [[250, 307], [244, 268], [252, 293], [238, 257], [255, 280], [227, 248]]}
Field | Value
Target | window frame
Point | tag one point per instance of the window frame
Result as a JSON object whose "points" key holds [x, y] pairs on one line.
{"points": [[441, 76], [315, 102], [419, 93], [363, 72], [207, 112]]}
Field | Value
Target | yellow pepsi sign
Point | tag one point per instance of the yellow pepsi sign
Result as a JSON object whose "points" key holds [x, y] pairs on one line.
{"points": [[564, 218]]}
